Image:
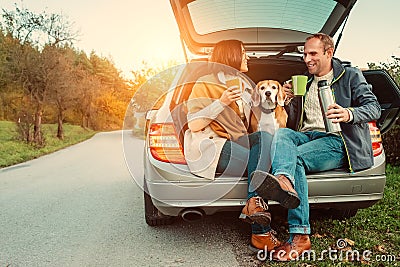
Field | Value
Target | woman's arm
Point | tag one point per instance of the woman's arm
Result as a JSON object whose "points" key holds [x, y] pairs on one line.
{"points": [[200, 119]]}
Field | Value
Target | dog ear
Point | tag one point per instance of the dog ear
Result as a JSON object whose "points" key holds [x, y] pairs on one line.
{"points": [[281, 97], [255, 96]]}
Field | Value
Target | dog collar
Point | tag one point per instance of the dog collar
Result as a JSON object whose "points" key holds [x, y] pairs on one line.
{"points": [[266, 110]]}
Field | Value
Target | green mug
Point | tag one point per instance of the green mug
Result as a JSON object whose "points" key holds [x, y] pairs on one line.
{"points": [[299, 84]]}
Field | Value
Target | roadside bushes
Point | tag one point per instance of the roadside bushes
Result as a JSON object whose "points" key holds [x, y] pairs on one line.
{"points": [[391, 143]]}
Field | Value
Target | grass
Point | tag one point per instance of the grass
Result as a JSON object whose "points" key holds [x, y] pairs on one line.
{"points": [[13, 151], [375, 229]]}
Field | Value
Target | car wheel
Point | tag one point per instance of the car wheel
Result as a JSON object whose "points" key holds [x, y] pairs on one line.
{"points": [[152, 215]]}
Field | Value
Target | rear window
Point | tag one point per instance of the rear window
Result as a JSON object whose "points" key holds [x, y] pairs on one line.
{"points": [[299, 15]]}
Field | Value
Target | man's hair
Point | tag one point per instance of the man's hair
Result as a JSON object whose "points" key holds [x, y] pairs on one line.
{"points": [[228, 52], [326, 40]]}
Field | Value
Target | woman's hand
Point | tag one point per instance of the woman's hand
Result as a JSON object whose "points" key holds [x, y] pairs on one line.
{"points": [[229, 95]]}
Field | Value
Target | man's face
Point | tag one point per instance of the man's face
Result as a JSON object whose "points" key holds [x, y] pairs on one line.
{"points": [[318, 60]]}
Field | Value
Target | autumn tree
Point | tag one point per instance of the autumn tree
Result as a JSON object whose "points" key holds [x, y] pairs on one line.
{"points": [[35, 31], [44, 78], [61, 81], [149, 84], [113, 95]]}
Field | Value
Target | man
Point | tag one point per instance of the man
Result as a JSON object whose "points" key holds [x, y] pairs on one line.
{"points": [[310, 148]]}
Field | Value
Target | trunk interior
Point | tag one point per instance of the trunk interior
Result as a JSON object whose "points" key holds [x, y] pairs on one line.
{"points": [[275, 68]]}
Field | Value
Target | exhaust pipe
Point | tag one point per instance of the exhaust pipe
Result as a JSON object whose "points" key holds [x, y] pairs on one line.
{"points": [[191, 215]]}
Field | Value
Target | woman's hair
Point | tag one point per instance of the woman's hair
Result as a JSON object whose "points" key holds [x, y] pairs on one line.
{"points": [[228, 52]]}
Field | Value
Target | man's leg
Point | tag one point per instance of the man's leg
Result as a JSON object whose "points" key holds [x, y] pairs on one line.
{"points": [[284, 152], [323, 152], [284, 157]]}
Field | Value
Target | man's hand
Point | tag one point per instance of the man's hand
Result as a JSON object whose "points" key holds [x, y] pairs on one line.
{"points": [[287, 87], [337, 113]]}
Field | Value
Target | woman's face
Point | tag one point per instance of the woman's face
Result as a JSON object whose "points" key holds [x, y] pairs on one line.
{"points": [[245, 57]]}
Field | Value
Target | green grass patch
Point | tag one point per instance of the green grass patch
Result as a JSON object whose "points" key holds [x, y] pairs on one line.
{"points": [[13, 151], [375, 229]]}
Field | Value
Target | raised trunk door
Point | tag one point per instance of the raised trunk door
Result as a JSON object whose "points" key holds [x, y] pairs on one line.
{"points": [[388, 94]]}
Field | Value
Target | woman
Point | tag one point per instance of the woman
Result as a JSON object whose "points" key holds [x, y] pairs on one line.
{"points": [[217, 140]]}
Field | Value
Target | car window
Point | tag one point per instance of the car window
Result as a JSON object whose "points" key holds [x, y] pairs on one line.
{"points": [[299, 15]]}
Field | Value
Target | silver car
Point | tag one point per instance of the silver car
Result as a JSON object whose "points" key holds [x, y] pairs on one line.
{"points": [[273, 33]]}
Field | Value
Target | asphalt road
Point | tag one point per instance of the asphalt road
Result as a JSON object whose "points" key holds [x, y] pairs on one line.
{"points": [[81, 207]]}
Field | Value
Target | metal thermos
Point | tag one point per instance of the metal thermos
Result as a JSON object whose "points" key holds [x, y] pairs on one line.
{"points": [[325, 99]]}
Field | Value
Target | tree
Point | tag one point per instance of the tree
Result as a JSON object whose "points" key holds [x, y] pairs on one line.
{"points": [[149, 85], [393, 67], [10, 92], [30, 63], [112, 95], [38, 29], [60, 81]]}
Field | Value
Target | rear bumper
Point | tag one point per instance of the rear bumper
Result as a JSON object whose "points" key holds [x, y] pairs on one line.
{"points": [[173, 188]]}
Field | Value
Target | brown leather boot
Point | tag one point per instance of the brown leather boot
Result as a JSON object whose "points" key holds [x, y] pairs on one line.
{"points": [[292, 250], [256, 211], [279, 188], [266, 242]]}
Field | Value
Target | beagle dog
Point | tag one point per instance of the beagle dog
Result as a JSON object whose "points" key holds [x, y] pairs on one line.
{"points": [[267, 101]]}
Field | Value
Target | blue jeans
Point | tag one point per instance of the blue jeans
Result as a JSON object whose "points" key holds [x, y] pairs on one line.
{"points": [[253, 151], [296, 153]]}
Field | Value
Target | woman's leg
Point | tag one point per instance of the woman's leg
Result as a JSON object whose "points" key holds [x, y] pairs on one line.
{"points": [[233, 159], [259, 159], [260, 152], [236, 156], [250, 152]]}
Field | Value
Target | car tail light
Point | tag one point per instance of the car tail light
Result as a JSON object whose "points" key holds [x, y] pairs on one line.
{"points": [[164, 143], [376, 138]]}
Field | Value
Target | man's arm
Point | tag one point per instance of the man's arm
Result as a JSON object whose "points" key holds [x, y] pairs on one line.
{"points": [[366, 106]]}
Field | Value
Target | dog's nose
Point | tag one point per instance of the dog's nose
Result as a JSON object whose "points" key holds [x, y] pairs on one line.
{"points": [[268, 93]]}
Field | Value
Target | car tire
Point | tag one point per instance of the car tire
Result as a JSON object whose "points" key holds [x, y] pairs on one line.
{"points": [[152, 215]]}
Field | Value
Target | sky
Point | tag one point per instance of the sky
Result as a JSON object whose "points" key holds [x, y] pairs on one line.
{"points": [[132, 31]]}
